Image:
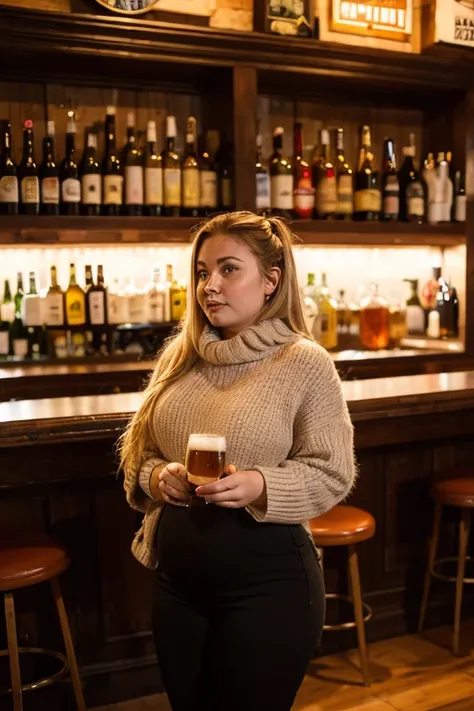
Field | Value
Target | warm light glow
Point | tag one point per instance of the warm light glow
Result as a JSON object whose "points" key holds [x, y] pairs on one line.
{"points": [[392, 16]]}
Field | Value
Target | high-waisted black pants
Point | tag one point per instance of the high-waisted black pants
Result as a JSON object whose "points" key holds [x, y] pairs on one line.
{"points": [[238, 609]]}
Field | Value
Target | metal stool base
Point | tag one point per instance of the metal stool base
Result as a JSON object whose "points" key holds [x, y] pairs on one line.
{"points": [[47, 680], [450, 578], [346, 625]]}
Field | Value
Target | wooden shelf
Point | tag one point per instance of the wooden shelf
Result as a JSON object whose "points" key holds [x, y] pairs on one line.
{"points": [[62, 231]]}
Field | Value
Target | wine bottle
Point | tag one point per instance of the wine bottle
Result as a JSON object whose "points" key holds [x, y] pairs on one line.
{"points": [[208, 180], [133, 171], [262, 180], [7, 314], [413, 189], [75, 301], [32, 314], [345, 181], [459, 212], [444, 188], [96, 300], [191, 199], [69, 172], [390, 185], [91, 179], [281, 177], [28, 173], [18, 331], [156, 298], [9, 196], [171, 172], [111, 169], [225, 175], [367, 194], [303, 193], [49, 174], [324, 181], [54, 303], [153, 174]]}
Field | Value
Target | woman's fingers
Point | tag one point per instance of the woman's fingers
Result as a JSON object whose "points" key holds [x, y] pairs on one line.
{"points": [[174, 492]]}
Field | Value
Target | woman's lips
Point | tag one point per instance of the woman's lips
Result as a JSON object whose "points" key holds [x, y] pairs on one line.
{"points": [[213, 308]]}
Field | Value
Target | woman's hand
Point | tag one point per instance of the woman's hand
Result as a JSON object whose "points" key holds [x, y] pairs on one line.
{"points": [[173, 484], [235, 490]]}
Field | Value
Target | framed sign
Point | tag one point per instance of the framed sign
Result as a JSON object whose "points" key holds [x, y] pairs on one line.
{"points": [[386, 19], [137, 7], [454, 22], [128, 7]]}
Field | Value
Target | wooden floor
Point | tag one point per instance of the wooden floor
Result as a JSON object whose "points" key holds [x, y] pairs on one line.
{"points": [[410, 673]]}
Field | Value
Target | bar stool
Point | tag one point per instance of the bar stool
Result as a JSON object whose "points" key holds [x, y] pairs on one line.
{"points": [[347, 526], [457, 492], [27, 560]]}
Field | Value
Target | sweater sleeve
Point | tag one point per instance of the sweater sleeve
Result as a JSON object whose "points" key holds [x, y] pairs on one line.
{"points": [[137, 484], [320, 469]]}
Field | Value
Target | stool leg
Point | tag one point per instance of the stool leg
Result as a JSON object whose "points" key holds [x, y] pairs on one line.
{"points": [[431, 561], [70, 653], [13, 651], [463, 541], [354, 581]]}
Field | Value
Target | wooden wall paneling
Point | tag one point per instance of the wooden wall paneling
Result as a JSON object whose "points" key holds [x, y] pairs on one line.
{"points": [[20, 101], [245, 133], [182, 106], [469, 117], [274, 111]]}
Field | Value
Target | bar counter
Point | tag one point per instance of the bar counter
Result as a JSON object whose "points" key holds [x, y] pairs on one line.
{"points": [[58, 473]]}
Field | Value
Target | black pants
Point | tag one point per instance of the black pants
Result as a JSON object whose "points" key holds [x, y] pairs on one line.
{"points": [[238, 610]]}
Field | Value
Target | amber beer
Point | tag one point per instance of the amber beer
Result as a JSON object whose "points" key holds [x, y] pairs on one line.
{"points": [[205, 458]]}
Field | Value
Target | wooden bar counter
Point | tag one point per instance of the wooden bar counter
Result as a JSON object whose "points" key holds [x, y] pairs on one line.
{"points": [[58, 473]]}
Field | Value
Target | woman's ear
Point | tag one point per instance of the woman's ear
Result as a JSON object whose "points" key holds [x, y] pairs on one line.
{"points": [[272, 280]]}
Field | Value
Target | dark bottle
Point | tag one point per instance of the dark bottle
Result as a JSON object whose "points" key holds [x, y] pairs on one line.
{"points": [[390, 185], [132, 161], [459, 209], [225, 175], [171, 172], [262, 181], [111, 169], [9, 196], [7, 314], [49, 174], [191, 197], [412, 187], [91, 179], [367, 194], [281, 178], [345, 181], [96, 300], [324, 180], [28, 173], [18, 331], [303, 193], [89, 284], [153, 174], [208, 180], [69, 172], [447, 306]]}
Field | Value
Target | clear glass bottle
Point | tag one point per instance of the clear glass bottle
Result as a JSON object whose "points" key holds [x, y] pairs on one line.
{"points": [[311, 313], [374, 321]]}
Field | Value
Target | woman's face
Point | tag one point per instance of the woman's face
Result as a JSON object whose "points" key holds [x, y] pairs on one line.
{"points": [[230, 287]]}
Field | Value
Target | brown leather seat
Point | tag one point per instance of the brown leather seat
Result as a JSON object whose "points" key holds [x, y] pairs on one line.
{"points": [[455, 492], [342, 526], [30, 559]]}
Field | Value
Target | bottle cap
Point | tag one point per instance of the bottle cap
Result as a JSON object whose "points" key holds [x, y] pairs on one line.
{"points": [[131, 119], [28, 123], [111, 111], [151, 131], [171, 130], [92, 140], [51, 129], [279, 131]]}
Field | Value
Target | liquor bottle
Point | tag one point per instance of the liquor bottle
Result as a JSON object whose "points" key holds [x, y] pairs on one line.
{"points": [[415, 315], [374, 321], [75, 300], [430, 176], [117, 304], [49, 174], [28, 173], [18, 331], [312, 318], [178, 296], [459, 211], [156, 298], [345, 181], [153, 174], [390, 185], [412, 187], [303, 193], [447, 306], [111, 169], [171, 172], [343, 314], [54, 303], [281, 178], [443, 190], [96, 300], [7, 314], [91, 179], [191, 198], [397, 325], [262, 180], [208, 181], [367, 194], [9, 195], [32, 311], [328, 312], [167, 287], [133, 171], [324, 181], [69, 172], [137, 303], [225, 175]]}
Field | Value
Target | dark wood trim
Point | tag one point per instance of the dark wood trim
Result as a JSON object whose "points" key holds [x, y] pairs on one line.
{"points": [[469, 143], [245, 135]]}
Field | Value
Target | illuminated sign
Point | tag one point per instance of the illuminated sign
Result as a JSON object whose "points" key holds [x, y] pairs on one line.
{"points": [[387, 19], [455, 22]]}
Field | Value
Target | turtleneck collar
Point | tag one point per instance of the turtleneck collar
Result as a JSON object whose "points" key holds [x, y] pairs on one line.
{"points": [[254, 343]]}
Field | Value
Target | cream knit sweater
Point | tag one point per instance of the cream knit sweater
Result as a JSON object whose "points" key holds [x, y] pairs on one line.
{"points": [[278, 400]]}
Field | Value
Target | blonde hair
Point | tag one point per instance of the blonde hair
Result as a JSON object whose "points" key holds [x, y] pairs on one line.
{"points": [[270, 240]]}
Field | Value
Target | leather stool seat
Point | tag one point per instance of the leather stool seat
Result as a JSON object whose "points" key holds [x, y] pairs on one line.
{"points": [[30, 559], [455, 492], [342, 526]]}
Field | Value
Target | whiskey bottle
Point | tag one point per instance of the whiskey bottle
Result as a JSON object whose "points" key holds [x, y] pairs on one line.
{"points": [[75, 300], [374, 321]]}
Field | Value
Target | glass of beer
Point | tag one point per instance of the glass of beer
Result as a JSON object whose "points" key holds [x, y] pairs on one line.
{"points": [[205, 458]]}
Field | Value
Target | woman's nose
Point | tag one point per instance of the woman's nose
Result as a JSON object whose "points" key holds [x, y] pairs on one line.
{"points": [[213, 283]]}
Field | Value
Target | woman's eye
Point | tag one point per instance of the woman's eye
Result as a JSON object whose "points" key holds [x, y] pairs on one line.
{"points": [[201, 275], [228, 269]]}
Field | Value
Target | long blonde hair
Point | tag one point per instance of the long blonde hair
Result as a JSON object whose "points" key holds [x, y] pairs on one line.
{"points": [[271, 241]]}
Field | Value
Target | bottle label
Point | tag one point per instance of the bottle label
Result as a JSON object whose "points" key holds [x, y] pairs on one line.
{"points": [[71, 190], [20, 347], [345, 195], [4, 343], [9, 188], [32, 310], [367, 200], [117, 308], [415, 205], [190, 188], [137, 312], [263, 191], [303, 199], [460, 208], [97, 307], [227, 194], [156, 304], [75, 312], [172, 187], [153, 186], [7, 312], [133, 185], [281, 192], [30, 190], [326, 195], [208, 188], [113, 186], [91, 189], [390, 204], [54, 310], [50, 191], [328, 337]]}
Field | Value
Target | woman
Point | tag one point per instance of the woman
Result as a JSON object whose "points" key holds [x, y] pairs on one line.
{"points": [[239, 599]]}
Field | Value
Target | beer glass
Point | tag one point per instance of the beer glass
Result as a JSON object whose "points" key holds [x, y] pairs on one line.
{"points": [[205, 458]]}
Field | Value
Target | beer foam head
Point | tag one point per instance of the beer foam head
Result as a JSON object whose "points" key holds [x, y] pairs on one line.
{"points": [[206, 443]]}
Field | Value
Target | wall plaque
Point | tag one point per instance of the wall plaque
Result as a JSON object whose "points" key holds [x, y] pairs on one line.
{"points": [[386, 19]]}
